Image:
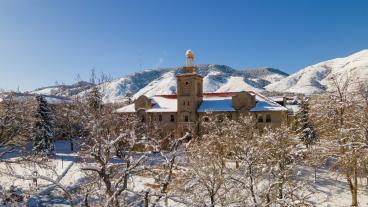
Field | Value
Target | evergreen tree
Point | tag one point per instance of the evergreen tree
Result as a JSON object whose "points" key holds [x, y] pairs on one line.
{"points": [[94, 96], [306, 131], [94, 100], [43, 132]]}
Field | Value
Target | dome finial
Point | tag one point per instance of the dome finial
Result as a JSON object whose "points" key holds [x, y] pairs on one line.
{"points": [[189, 55]]}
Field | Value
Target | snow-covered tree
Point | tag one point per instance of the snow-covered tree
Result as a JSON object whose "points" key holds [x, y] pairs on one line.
{"points": [[339, 117], [14, 123], [306, 131], [43, 132], [94, 100]]}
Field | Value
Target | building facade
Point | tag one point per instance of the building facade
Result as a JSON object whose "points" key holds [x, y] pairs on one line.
{"points": [[183, 112]]}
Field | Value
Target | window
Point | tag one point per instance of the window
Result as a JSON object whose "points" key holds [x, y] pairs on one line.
{"points": [[268, 118], [186, 118], [229, 116], [172, 118], [159, 117], [206, 119], [188, 103], [260, 118], [143, 119]]}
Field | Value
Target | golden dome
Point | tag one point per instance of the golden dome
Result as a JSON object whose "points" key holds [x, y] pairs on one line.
{"points": [[189, 54]]}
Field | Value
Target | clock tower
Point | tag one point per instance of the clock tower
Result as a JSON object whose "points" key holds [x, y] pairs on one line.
{"points": [[189, 96]]}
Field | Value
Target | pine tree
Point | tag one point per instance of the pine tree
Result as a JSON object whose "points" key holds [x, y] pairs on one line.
{"points": [[94, 100], [306, 130], [43, 132]]}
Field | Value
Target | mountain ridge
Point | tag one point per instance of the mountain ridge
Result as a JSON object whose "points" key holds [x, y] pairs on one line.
{"points": [[318, 78], [163, 81]]}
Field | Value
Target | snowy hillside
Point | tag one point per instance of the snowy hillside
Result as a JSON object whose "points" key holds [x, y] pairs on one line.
{"points": [[216, 78], [151, 82], [317, 78], [64, 90]]}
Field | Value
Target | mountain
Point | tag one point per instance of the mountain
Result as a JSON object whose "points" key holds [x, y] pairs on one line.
{"points": [[318, 78], [219, 78], [64, 90]]}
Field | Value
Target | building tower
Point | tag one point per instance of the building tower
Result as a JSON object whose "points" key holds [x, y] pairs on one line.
{"points": [[189, 96]]}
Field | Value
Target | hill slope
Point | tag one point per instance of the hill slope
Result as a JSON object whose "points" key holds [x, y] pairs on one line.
{"points": [[216, 78], [317, 78], [151, 82]]}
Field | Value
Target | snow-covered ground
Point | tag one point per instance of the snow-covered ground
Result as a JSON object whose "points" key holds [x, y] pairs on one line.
{"points": [[330, 190]]}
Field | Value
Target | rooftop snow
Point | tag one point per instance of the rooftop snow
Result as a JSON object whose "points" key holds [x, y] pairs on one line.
{"points": [[127, 109], [162, 104], [212, 102], [159, 104], [216, 104], [266, 104]]}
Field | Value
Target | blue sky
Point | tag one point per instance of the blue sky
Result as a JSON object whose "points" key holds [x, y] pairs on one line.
{"points": [[46, 41]]}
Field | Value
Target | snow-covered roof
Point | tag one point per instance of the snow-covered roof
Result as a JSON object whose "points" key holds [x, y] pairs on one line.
{"points": [[212, 102], [163, 104], [266, 104], [216, 104], [277, 98], [159, 104], [126, 109]]}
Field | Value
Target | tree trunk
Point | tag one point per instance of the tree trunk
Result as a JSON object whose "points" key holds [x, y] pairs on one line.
{"points": [[212, 201], [355, 189], [353, 185], [146, 199], [252, 185], [86, 204], [280, 187]]}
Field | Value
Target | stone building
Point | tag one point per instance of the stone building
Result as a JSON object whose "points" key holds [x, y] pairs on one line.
{"points": [[183, 112]]}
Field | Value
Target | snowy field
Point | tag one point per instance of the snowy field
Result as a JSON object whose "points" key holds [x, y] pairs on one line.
{"points": [[330, 190]]}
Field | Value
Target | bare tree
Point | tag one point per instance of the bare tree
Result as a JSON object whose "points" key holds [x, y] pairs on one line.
{"points": [[339, 115]]}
